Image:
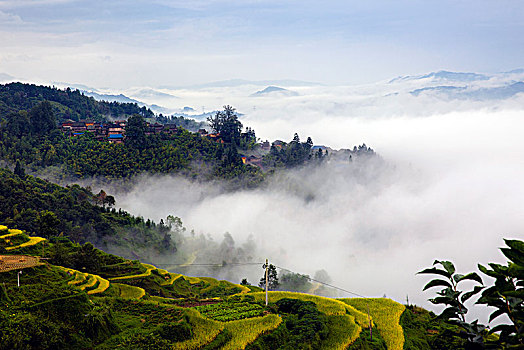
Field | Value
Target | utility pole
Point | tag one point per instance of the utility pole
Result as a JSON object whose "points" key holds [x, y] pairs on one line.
{"points": [[267, 279], [18, 278], [370, 327]]}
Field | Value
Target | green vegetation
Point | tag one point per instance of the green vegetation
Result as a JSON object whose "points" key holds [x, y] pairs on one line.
{"points": [[29, 137], [66, 104], [506, 296], [230, 311], [424, 331], [148, 308], [26, 203]]}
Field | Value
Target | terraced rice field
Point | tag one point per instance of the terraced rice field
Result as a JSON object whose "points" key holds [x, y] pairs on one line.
{"points": [[246, 331], [204, 330], [325, 305], [386, 316], [148, 267], [94, 284], [343, 332], [226, 311], [130, 292]]}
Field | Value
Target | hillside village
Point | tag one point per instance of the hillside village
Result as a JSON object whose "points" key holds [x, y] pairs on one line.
{"points": [[115, 132]]}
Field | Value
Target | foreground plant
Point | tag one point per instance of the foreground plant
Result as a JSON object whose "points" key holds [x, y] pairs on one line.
{"points": [[506, 295], [454, 298]]}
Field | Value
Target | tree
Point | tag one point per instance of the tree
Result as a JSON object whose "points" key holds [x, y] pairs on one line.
{"points": [[136, 132], [226, 123], [18, 124], [294, 282], [245, 282], [19, 171], [42, 118], [48, 223], [273, 283]]}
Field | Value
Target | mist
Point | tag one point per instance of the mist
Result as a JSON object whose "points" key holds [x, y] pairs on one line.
{"points": [[445, 186]]}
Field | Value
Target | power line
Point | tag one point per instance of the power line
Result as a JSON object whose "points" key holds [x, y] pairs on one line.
{"points": [[213, 265], [324, 283], [261, 263]]}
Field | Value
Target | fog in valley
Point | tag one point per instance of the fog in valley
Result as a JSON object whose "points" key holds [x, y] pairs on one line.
{"points": [[446, 184]]}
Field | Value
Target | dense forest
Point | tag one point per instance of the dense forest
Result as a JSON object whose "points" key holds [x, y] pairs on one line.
{"points": [[32, 138], [45, 209], [66, 104], [29, 135]]}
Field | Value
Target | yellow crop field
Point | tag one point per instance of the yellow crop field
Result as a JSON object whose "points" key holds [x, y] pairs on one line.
{"points": [[91, 281], [386, 316], [246, 331], [325, 305], [172, 278], [32, 241], [103, 284], [342, 332], [130, 292], [145, 274], [9, 235], [204, 330]]}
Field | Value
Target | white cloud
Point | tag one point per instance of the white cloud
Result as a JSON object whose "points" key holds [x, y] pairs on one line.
{"points": [[450, 188], [7, 18], [28, 3]]}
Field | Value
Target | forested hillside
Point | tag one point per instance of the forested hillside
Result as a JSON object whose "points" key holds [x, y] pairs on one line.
{"points": [[45, 209], [67, 104], [29, 135]]}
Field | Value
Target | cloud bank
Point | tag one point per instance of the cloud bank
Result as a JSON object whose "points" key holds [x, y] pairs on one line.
{"points": [[447, 186]]}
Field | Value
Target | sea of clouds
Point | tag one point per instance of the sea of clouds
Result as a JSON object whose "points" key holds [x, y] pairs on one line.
{"points": [[448, 184]]}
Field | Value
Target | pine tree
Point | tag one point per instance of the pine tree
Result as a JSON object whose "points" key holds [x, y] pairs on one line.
{"points": [[272, 283]]}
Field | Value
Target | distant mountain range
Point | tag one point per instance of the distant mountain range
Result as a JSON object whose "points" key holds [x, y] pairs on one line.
{"points": [[444, 85], [241, 82], [274, 91], [489, 93], [443, 75]]}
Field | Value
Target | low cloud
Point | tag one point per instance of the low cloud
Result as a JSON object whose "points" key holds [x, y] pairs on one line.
{"points": [[445, 187]]}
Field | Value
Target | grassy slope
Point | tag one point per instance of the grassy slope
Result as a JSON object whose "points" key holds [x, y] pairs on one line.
{"points": [[386, 316], [346, 317]]}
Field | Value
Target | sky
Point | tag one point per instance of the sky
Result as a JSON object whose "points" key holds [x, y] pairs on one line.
{"points": [[119, 44]]}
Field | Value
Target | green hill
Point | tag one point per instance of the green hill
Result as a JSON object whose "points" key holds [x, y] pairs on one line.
{"points": [[76, 296]]}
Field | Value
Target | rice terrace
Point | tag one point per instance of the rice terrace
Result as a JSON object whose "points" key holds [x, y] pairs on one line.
{"points": [[150, 305]]}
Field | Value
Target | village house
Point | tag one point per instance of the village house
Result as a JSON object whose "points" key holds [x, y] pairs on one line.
{"points": [[266, 146], [113, 132]]}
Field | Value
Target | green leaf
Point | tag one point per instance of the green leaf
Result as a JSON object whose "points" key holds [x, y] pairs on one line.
{"points": [[448, 265], [450, 312], [435, 271], [468, 295], [435, 283], [515, 244], [514, 256], [457, 277], [519, 293], [496, 314], [488, 272], [471, 276]]}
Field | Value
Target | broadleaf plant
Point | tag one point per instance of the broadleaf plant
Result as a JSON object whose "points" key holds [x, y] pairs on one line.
{"points": [[454, 298], [506, 296]]}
